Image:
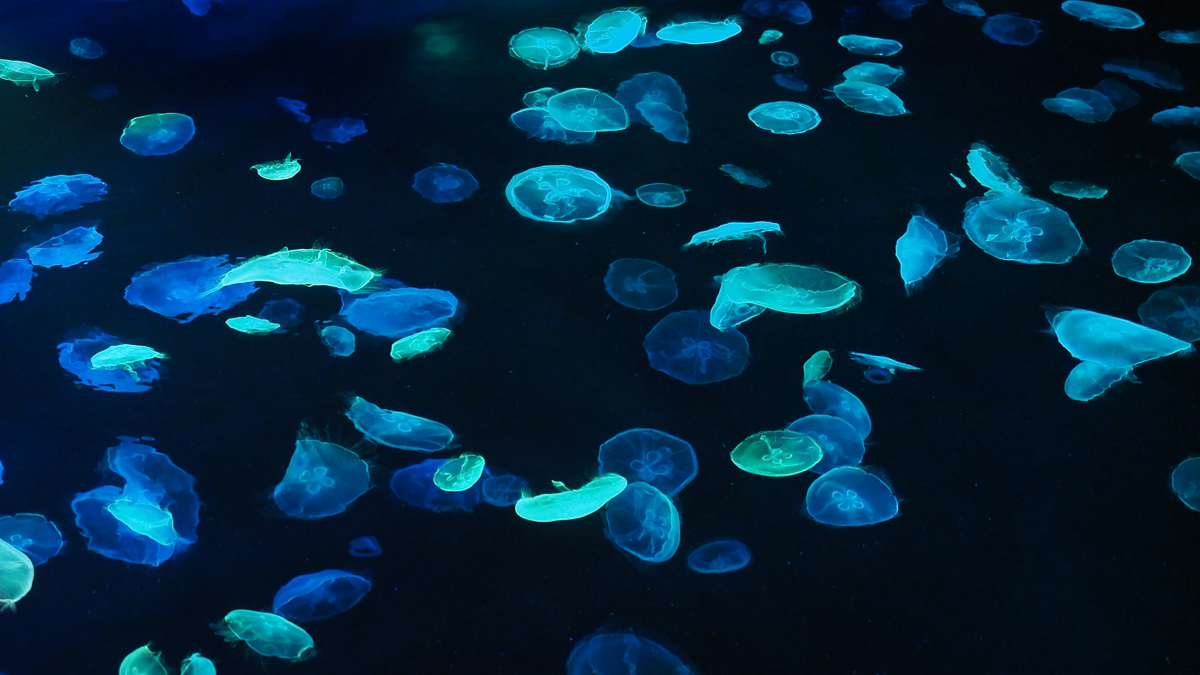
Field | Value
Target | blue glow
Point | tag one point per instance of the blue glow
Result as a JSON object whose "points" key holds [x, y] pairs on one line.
{"points": [[414, 484], [15, 278], [558, 193], [445, 183], [623, 654], [1010, 29], [643, 521], [1147, 261], [73, 247], [182, 290], [685, 346], [328, 188], [1174, 311], [504, 490], [650, 456], [399, 312], [322, 479], [35, 536], [365, 547], [159, 134], [921, 248], [640, 284], [312, 597], [719, 557], [397, 429], [850, 497], [1021, 229], [338, 130], [827, 398], [76, 358], [841, 445], [58, 194]]}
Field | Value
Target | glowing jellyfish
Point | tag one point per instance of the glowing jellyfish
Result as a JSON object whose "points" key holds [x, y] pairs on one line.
{"points": [[665, 121], [992, 170], [685, 346], [414, 484], [338, 130], [640, 284], [1177, 116], [1108, 16], [745, 176], [1190, 163], [790, 81], [278, 169], [142, 661], [16, 575], [252, 325], [769, 36], [968, 7], [656, 100], [322, 479], [1087, 380], [1180, 37], [558, 193], [869, 46], [1083, 105], [1110, 341], [1010, 29], [86, 49], [817, 366], [339, 340], [1185, 481], [15, 278], [504, 490], [399, 311], [900, 9], [445, 183], [874, 73], [839, 442], [869, 98], [127, 357], [267, 634], [1021, 229], [734, 232], [748, 291], [612, 31], [571, 504], [1078, 189], [661, 195], [921, 248], [137, 510], [76, 358], [650, 456], [700, 32], [543, 48], [827, 398], [785, 59], [460, 473], [301, 267], [285, 312], [623, 654], [180, 289], [397, 429], [585, 110], [328, 188], [848, 496], [1153, 73], [160, 134], [25, 74], [1174, 311], [776, 453], [197, 665], [365, 547], [784, 117], [889, 365], [719, 557], [419, 344], [73, 247], [1147, 261], [57, 194], [312, 597], [644, 522], [538, 123]]}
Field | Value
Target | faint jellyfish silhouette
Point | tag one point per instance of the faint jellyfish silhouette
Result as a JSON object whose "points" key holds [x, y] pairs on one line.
{"points": [[640, 284], [445, 183]]}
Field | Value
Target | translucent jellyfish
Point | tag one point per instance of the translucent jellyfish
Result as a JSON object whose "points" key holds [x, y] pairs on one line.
{"points": [[460, 473], [267, 634], [142, 661], [15, 278], [1083, 105], [300, 267], [1147, 261], [445, 183], [650, 456], [735, 231], [160, 134], [414, 485], [1190, 163], [848, 496], [817, 366], [687, 347], [623, 654], [339, 340], [665, 121], [294, 107], [397, 312], [126, 357], [312, 597], [397, 429], [103, 92], [328, 188], [1087, 380], [278, 169], [76, 358], [1078, 189], [869, 46], [179, 289], [420, 344], [1108, 16], [745, 176], [558, 193], [992, 170], [285, 312], [35, 536], [1180, 37], [538, 123], [569, 504], [1010, 29], [785, 59], [86, 49], [718, 557], [776, 454], [790, 81], [1153, 73], [1119, 93], [338, 130], [769, 36], [583, 110], [57, 194], [73, 247], [888, 365], [1177, 116], [1109, 341], [504, 490], [869, 98], [16, 575], [1174, 311], [251, 325], [322, 479], [1, 473], [661, 195], [1185, 481], [543, 48], [785, 117], [612, 31], [827, 398], [644, 522], [968, 7], [640, 284], [874, 73], [197, 665], [25, 74], [137, 510], [700, 32], [921, 248], [1021, 229], [365, 547], [748, 291]]}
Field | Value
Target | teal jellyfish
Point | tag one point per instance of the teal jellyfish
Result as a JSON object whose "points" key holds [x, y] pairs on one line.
{"points": [[1185, 481], [339, 340], [25, 74], [1083, 105], [1174, 311], [397, 429], [1010, 29], [735, 231], [1177, 116], [460, 473], [584, 110], [1107, 16], [869, 46], [16, 575], [322, 479], [1110, 341], [874, 73], [661, 195], [328, 188], [267, 634], [1088, 379], [160, 134], [612, 31], [142, 661], [869, 98], [1078, 189], [543, 48], [785, 117], [1147, 261], [1021, 229], [558, 194], [992, 170], [1190, 163], [921, 248], [569, 504], [745, 176], [700, 32]]}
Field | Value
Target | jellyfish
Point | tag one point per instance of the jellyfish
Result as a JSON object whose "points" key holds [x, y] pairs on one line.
{"points": [[585, 110], [735, 231], [504, 490], [776, 454], [73, 247], [745, 176], [300, 267], [537, 122], [650, 456], [968, 7], [661, 195], [399, 311], [1185, 482], [543, 48], [1021, 229], [267, 634], [75, 357], [179, 290], [142, 661], [685, 346], [719, 557], [124, 356], [1108, 16], [36, 537], [397, 429], [294, 107], [569, 504], [1119, 94], [623, 654], [419, 344], [1177, 116], [86, 49], [1174, 311], [748, 291], [558, 194], [921, 248], [640, 284], [817, 366], [1180, 37], [339, 340], [827, 398], [869, 98], [251, 325], [769, 36], [874, 73], [1153, 73], [57, 194], [445, 183], [1190, 163], [1111, 341], [16, 575], [785, 59], [197, 665], [665, 121], [338, 130], [790, 81], [328, 188], [137, 509], [644, 522], [900, 9], [1087, 380], [848, 497], [285, 313], [322, 479], [992, 170], [869, 46], [278, 169], [414, 485], [1147, 261], [1010, 29], [312, 597], [25, 74], [365, 547], [612, 31], [1078, 189], [160, 134], [1083, 105], [460, 473], [700, 32], [1, 473], [784, 117]]}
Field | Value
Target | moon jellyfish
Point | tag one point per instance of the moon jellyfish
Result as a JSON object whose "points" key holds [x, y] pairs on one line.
{"points": [[267, 634], [86, 49], [817, 366], [460, 473], [160, 134], [790, 81], [504, 490], [328, 188], [571, 504], [661, 195], [57, 194], [339, 340], [650, 456], [338, 130], [1190, 163], [968, 7], [745, 176], [25, 74], [1147, 261], [1021, 229], [1083, 105], [584, 110], [1087, 380], [252, 325], [1177, 116], [1010, 29], [197, 665], [312, 597], [76, 358], [180, 290], [33, 535], [558, 193], [543, 48], [623, 654], [300, 267], [874, 73], [538, 123], [784, 117], [365, 547], [776, 454], [700, 32], [16, 276], [397, 429], [1107, 16], [612, 31], [748, 291], [1185, 482], [1078, 189], [900, 9], [1153, 73], [640, 284], [718, 557], [419, 344], [125, 357], [1180, 37], [992, 170], [921, 248], [869, 46], [16, 575], [414, 485], [399, 311], [687, 347], [445, 183], [278, 169], [827, 398], [869, 98], [644, 522], [734, 232], [1110, 341], [284, 312], [142, 661], [848, 497], [1174, 311], [322, 479], [785, 59], [665, 121], [769, 36], [68, 249]]}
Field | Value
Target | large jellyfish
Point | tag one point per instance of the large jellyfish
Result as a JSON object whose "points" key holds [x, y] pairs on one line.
{"points": [[16, 575], [700, 32], [869, 98], [687, 347], [159, 134], [1147, 261], [569, 504], [1021, 229], [397, 429], [1110, 341], [612, 31], [623, 654], [840, 442], [399, 311], [311, 597], [76, 358], [1083, 105], [558, 193], [56, 194], [73, 247], [267, 634], [1185, 481], [776, 454], [784, 117], [25, 74], [748, 291], [869, 46], [1108, 16], [301, 267], [827, 398], [543, 48], [584, 110], [650, 456], [180, 290]]}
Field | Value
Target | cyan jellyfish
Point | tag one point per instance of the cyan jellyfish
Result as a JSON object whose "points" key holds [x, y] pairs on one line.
{"points": [[784, 117], [582, 110], [776, 454], [73, 247], [543, 48], [322, 479], [992, 170], [312, 597], [769, 36], [558, 193], [86, 49], [640, 91], [745, 176], [827, 398], [328, 188], [869, 98], [1110, 341], [874, 73], [75, 357], [278, 169], [25, 74], [1180, 37], [1083, 105], [640, 284], [968, 7], [687, 347], [643, 521], [661, 195], [16, 575], [650, 456], [103, 92], [848, 496], [700, 32], [1147, 261], [294, 107], [252, 325], [538, 123], [419, 344], [623, 654], [35, 536], [1174, 311], [869, 46], [57, 194], [504, 489], [125, 357], [840, 442], [338, 130], [414, 485], [750, 290], [889, 366], [365, 547], [160, 134], [1177, 116], [1088, 379], [398, 310], [785, 59], [1107, 16], [460, 473], [718, 557], [665, 121], [1156, 74], [339, 340], [285, 312], [1010, 29], [612, 31], [817, 366], [568, 504], [921, 248], [300, 267], [1185, 481], [1118, 93], [397, 429], [734, 232], [1021, 229], [445, 183], [1190, 163], [267, 634], [1078, 189], [142, 661], [197, 664]]}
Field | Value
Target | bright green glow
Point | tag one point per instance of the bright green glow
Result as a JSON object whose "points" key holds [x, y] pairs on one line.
{"points": [[817, 366], [127, 357], [794, 289], [301, 267], [251, 325], [429, 340], [1078, 189], [543, 48], [278, 169], [612, 31], [146, 518], [267, 634], [571, 504], [700, 32], [459, 473], [776, 454], [991, 170], [197, 665], [142, 661], [24, 74], [16, 575]]}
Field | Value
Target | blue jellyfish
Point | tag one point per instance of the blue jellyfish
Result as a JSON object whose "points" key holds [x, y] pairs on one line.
{"points": [[1118, 93], [650, 456], [1110, 341], [665, 121], [583, 109], [900, 9], [1, 473], [57, 194], [848, 496], [640, 284], [538, 123], [339, 340], [1088, 379], [869, 46], [874, 73], [1147, 261], [445, 183], [397, 429], [32, 534], [869, 98], [294, 107], [877, 375], [76, 358], [1177, 116], [504, 490], [785, 59], [1021, 229], [73, 247], [1107, 16], [365, 547], [558, 193], [328, 188], [159, 134], [1083, 105], [338, 130], [322, 479], [968, 7], [826, 398], [398, 310], [311, 597], [1174, 311], [661, 195], [841, 444], [623, 654], [86, 49], [1010, 29], [650, 87], [921, 248], [790, 81], [285, 312], [685, 346], [16, 276], [182, 290], [1185, 481], [414, 485], [718, 557], [643, 521], [612, 31]]}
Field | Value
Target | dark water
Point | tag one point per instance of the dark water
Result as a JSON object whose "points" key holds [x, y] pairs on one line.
{"points": [[1036, 534]]}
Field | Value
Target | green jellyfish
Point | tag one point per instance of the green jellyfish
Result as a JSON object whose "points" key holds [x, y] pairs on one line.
{"points": [[144, 516], [278, 169], [24, 74], [571, 504], [817, 366], [460, 473], [419, 344], [794, 289], [16, 575], [125, 357], [251, 325], [543, 48], [142, 661], [267, 634], [301, 267], [776, 454]]}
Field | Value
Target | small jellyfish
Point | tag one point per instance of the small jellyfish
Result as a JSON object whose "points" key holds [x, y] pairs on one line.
{"points": [[644, 522], [365, 547], [76, 358], [817, 366], [880, 368], [921, 248], [785, 59], [640, 284], [102, 92], [197, 665], [129, 358], [73, 247], [267, 634], [322, 479], [745, 176], [328, 188], [869, 46], [142, 661], [1082, 105], [57, 194], [968, 7], [159, 134], [504, 490], [36, 537], [612, 31], [284, 312], [445, 183], [769, 36], [687, 347], [992, 170], [622, 654], [398, 311], [300, 267], [870, 98], [339, 130], [734, 232], [750, 290], [849, 497], [294, 107], [1107, 16], [543, 48], [719, 557], [900, 9], [1021, 229], [278, 169], [537, 122], [460, 473], [1180, 37], [1185, 481], [312, 597], [86, 49], [252, 325], [15, 278], [1078, 189], [1190, 163], [785, 117], [1087, 380], [1010, 29], [419, 344], [790, 81], [1153, 73], [650, 456], [1177, 116], [1147, 261], [339, 340], [661, 195], [874, 73], [1120, 94]]}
